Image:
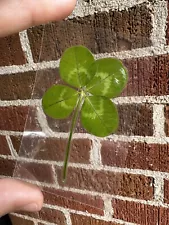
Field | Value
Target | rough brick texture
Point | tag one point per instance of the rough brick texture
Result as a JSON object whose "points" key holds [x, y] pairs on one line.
{"points": [[166, 191], [148, 76], [6, 167], [20, 85], [54, 148], [21, 221], [140, 213], [11, 52], [14, 118], [48, 215], [75, 201], [136, 155], [84, 220], [166, 114], [135, 119], [16, 86], [34, 171], [136, 186], [4, 148], [99, 32], [167, 31]]}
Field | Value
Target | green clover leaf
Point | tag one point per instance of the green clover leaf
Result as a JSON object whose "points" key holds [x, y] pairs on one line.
{"points": [[93, 84], [59, 101], [74, 66], [99, 116], [109, 78]]}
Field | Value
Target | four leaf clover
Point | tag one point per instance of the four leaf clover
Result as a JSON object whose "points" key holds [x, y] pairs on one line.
{"points": [[92, 83]]}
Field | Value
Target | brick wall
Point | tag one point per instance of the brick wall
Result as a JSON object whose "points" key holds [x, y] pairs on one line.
{"points": [[122, 179]]}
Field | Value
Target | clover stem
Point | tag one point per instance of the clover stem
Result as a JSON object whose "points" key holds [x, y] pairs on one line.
{"points": [[72, 128]]}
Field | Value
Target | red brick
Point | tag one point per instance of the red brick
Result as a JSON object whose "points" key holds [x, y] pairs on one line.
{"points": [[167, 31], [16, 220], [48, 215], [130, 185], [71, 200], [140, 213], [101, 32], [63, 125], [135, 212], [166, 114], [44, 80], [166, 191], [54, 148], [6, 167], [147, 76], [4, 148], [136, 155], [20, 85], [135, 119], [34, 171], [163, 216], [13, 118], [53, 216], [84, 220], [16, 142], [11, 52], [16, 86]]}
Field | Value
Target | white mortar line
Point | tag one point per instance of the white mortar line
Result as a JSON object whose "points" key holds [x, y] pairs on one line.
{"points": [[159, 189], [72, 211], [12, 150], [29, 67], [14, 133], [108, 210], [27, 102], [119, 101], [84, 9], [68, 219], [159, 18], [95, 216], [134, 53], [122, 138], [25, 217], [43, 122], [148, 173], [142, 99], [33, 219], [143, 139], [95, 155], [118, 197], [159, 121], [55, 177], [26, 46], [154, 203]]}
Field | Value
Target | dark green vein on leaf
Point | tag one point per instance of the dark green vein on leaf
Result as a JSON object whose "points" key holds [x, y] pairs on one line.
{"points": [[99, 117], [57, 102]]}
